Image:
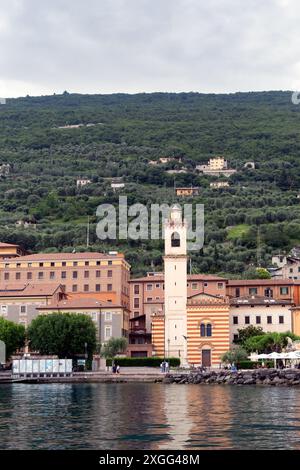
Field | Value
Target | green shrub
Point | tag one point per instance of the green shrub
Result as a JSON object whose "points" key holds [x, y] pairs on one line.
{"points": [[143, 361]]}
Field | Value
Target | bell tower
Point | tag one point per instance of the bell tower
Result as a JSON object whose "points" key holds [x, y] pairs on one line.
{"points": [[175, 264]]}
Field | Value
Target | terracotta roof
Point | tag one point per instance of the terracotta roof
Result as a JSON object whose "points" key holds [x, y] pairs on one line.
{"points": [[190, 277], [8, 245], [257, 300], [259, 282], [67, 304], [30, 290], [68, 256]]}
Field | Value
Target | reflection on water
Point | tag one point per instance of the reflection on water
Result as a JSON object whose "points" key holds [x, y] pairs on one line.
{"points": [[148, 416]]}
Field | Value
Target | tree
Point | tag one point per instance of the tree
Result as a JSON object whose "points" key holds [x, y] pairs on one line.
{"points": [[269, 342], [113, 347], [12, 335], [235, 356], [248, 332], [63, 334]]}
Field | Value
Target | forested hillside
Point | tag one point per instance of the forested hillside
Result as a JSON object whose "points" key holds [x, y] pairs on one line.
{"points": [[259, 214]]}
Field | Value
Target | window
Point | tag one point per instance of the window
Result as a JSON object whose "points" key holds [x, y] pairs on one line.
{"points": [[175, 239], [194, 285], [41, 275], [52, 274], [252, 290], [86, 263], [205, 284], [29, 275], [109, 263], [107, 316], [149, 287], [98, 287], [205, 329], [107, 332], [75, 263], [4, 309], [268, 292], [74, 288], [235, 338], [269, 319], [52, 264], [64, 274], [6, 276], [291, 270], [98, 263], [75, 274], [235, 320], [18, 275], [98, 273], [109, 273], [157, 286], [284, 290], [64, 263], [247, 320], [18, 265], [41, 265], [208, 330], [281, 319], [220, 285], [136, 289], [23, 309], [86, 274], [7, 265], [86, 287], [237, 292], [109, 287], [258, 320], [149, 299], [136, 302]]}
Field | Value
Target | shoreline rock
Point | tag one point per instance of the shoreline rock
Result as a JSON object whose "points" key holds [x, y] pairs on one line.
{"points": [[274, 377]]}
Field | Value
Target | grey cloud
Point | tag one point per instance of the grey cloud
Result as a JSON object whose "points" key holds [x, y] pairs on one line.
{"points": [[148, 45]]}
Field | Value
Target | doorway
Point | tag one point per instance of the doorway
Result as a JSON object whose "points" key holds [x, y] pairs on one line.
{"points": [[206, 357]]}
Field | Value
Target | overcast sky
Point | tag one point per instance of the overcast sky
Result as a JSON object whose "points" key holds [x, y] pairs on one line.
{"points": [[106, 46]]}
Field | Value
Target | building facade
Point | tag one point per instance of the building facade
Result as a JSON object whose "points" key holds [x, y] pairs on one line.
{"points": [[20, 305], [207, 329], [269, 314], [90, 273], [111, 320]]}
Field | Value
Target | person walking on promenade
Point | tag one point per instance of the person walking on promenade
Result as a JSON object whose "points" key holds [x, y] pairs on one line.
{"points": [[118, 369], [167, 367]]}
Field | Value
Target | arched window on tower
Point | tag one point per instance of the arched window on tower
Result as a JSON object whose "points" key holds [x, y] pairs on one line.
{"points": [[175, 239]]}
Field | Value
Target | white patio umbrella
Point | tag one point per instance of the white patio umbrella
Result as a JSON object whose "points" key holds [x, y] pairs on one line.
{"points": [[275, 356]]}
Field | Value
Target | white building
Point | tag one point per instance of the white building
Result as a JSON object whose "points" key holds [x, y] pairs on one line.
{"points": [[265, 312], [175, 268], [82, 182], [288, 267]]}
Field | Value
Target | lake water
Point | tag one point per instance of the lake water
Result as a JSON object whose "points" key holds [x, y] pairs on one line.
{"points": [[148, 416]]}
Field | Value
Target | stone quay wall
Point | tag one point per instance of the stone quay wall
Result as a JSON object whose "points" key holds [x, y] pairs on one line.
{"points": [[283, 377]]}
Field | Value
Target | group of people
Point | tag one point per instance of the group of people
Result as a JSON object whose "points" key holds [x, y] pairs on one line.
{"points": [[115, 368], [164, 367]]}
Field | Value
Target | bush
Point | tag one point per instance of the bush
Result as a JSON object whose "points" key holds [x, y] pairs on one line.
{"points": [[143, 361]]}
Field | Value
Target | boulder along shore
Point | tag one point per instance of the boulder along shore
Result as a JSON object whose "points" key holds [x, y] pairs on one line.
{"points": [[283, 377]]}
